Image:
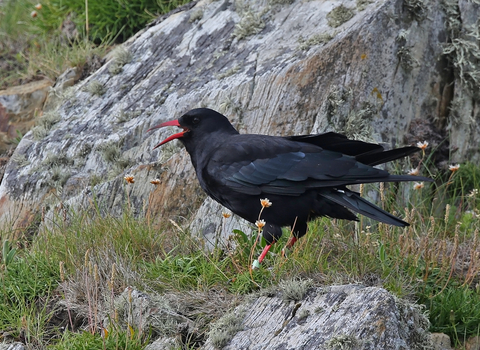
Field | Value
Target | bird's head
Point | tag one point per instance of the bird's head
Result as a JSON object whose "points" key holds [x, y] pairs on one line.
{"points": [[197, 124]]}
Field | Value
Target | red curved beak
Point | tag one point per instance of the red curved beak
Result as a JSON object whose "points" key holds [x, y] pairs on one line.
{"points": [[174, 136]]}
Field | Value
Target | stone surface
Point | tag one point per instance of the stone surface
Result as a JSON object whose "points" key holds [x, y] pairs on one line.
{"points": [[473, 343], [162, 344], [441, 341], [337, 317], [24, 99], [56, 94], [18, 107], [381, 77], [12, 346]]}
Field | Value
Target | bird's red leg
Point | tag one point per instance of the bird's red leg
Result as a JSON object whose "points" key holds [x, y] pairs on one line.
{"points": [[256, 263], [264, 253], [290, 243]]}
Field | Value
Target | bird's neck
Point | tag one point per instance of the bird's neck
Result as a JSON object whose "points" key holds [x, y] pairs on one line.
{"points": [[201, 147]]}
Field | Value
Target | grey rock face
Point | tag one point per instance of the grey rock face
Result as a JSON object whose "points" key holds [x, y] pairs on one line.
{"points": [[338, 317], [271, 68]]}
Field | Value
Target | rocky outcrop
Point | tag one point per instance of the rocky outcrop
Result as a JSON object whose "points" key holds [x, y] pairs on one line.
{"points": [[389, 71], [299, 316], [337, 317]]}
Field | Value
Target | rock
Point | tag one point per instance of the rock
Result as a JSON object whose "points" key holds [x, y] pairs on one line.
{"points": [[22, 101], [56, 93], [162, 344], [210, 224], [473, 343], [441, 341], [18, 107], [277, 69], [12, 346], [299, 316], [146, 313], [337, 317]]}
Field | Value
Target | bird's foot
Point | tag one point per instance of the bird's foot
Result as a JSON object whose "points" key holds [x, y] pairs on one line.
{"points": [[291, 242], [288, 246]]}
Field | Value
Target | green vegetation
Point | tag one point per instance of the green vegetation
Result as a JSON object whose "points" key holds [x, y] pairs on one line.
{"points": [[339, 15], [43, 39], [90, 258]]}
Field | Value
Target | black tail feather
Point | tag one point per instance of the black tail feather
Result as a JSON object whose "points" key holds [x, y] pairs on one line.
{"points": [[375, 158], [354, 202], [334, 142]]}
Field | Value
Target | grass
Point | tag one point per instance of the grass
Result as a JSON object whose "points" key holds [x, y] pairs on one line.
{"points": [[35, 42], [83, 261]]}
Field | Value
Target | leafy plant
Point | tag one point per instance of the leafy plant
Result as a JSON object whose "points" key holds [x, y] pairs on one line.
{"points": [[8, 253]]}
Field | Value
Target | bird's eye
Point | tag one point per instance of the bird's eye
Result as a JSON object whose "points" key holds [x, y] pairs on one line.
{"points": [[195, 120]]}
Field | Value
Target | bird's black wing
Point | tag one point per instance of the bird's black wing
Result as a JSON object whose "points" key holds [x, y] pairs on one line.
{"points": [[254, 164], [364, 152], [332, 141]]}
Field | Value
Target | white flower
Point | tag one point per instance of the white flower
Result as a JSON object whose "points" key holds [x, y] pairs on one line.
{"points": [[418, 185], [422, 145], [260, 223], [413, 172], [130, 179], [155, 182], [265, 203], [454, 167]]}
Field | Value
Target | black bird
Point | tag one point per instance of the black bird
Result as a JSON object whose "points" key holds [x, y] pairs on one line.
{"points": [[304, 177]]}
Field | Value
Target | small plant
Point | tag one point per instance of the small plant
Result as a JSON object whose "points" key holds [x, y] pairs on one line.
{"points": [[463, 51], [343, 342], [110, 151], [229, 72], [251, 23], [20, 159], [56, 159], [121, 57], [49, 119], [8, 253], [303, 314], [314, 40], [362, 4], [407, 61], [196, 16], [281, 2], [339, 15], [95, 88], [18, 138], [417, 9], [59, 176], [39, 133], [294, 289], [225, 328]]}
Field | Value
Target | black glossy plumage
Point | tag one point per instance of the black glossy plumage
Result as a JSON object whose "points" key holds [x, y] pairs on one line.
{"points": [[303, 176]]}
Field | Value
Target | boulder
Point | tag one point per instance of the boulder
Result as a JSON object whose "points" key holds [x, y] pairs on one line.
{"points": [[337, 317], [441, 341], [298, 315]]}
